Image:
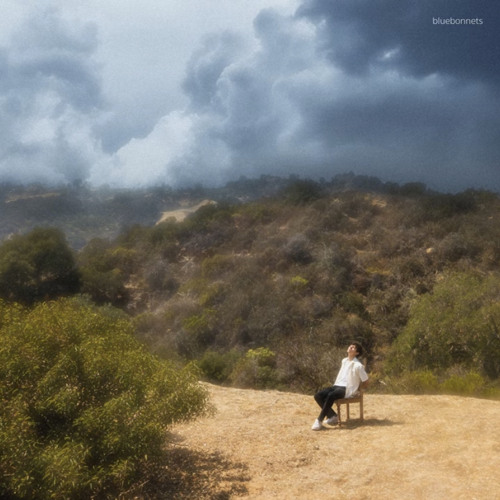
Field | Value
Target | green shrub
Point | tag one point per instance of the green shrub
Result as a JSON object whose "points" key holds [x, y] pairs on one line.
{"points": [[255, 213], [214, 267], [299, 283], [165, 235], [300, 192], [218, 366], [256, 369], [438, 206], [84, 405], [455, 246], [297, 250], [469, 384], [415, 382], [103, 279], [37, 266], [456, 325], [455, 381], [209, 216], [198, 332]]}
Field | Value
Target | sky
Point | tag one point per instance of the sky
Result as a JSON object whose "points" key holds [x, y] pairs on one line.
{"points": [[134, 94]]}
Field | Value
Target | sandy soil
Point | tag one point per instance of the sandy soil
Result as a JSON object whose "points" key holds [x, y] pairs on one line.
{"points": [[181, 213], [259, 445]]}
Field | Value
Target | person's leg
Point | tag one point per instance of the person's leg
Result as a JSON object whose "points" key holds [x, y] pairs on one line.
{"points": [[328, 399], [321, 396]]}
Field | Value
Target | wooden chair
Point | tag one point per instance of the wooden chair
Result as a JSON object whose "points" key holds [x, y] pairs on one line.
{"points": [[357, 398]]}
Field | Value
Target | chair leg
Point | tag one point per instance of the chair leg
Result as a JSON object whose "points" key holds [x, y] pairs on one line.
{"points": [[339, 404]]}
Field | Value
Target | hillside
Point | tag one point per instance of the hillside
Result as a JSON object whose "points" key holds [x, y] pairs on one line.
{"points": [[263, 288], [266, 283], [259, 445], [84, 213]]}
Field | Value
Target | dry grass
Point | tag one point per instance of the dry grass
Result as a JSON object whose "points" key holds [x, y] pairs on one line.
{"points": [[259, 445]]}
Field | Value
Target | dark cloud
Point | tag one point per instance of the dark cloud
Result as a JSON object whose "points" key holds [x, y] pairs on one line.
{"points": [[419, 130], [429, 102], [249, 111], [406, 35], [372, 86]]}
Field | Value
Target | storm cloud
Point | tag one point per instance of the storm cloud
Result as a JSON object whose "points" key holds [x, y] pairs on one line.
{"points": [[400, 89], [49, 91]]}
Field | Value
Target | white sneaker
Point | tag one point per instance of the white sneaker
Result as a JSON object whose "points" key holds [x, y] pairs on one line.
{"points": [[333, 420], [317, 426]]}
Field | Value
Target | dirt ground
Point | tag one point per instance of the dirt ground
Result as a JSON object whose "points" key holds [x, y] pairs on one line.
{"points": [[181, 213], [259, 445]]}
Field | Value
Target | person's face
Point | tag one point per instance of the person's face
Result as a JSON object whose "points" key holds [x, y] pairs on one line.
{"points": [[352, 350]]}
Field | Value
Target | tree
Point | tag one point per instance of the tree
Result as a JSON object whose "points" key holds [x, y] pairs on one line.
{"points": [[301, 192], [36, 266], [455, 326], [84, 405], [102, 277]]}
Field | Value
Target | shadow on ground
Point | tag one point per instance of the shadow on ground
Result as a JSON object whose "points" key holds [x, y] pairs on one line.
{"points": [[371, 422], [367, 422], [188, 474]]}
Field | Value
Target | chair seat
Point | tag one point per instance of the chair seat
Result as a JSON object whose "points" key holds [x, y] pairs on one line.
{"points": [[357, 398]]}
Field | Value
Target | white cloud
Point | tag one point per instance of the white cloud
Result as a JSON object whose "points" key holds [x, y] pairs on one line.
{"points": [[170, 92], [143, 161]]}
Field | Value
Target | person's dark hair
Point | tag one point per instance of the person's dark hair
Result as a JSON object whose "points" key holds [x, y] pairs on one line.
{"points": [[359, 348]]}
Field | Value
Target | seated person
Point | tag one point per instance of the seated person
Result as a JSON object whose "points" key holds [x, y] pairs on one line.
{"points": [[351, 377]]}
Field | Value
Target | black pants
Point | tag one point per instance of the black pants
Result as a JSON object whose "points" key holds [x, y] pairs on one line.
{"points": [[326, 397]]}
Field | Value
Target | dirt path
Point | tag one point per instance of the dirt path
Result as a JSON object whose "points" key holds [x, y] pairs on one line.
{"points": [[259, 445]]}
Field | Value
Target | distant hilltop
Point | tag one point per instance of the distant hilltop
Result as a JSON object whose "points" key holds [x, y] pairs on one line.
{"points": [[84, 213], [181, 213]]}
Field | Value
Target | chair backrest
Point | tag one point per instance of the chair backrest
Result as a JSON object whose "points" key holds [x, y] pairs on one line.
{"points": [[357, 398]]}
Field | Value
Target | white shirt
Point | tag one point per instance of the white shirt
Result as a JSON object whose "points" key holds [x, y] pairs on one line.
{"points": [[350, 376]]}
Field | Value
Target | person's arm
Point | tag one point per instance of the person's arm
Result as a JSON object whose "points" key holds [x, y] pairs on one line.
{"points": [[364, 380]]}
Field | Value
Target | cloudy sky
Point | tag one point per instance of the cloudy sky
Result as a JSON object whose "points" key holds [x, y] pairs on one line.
{"points": [[131, 94]]}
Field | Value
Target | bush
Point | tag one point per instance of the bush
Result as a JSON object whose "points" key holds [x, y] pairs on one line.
{"points": [[456, 325], [37, 266], [300, 192], [198, 332], [454, 247], [297, 250], [307, 368], [469, 384], [415, 382], [256, 369], [438, 206], [102, 277], [84, 406], [454, 381], [216, 366]]}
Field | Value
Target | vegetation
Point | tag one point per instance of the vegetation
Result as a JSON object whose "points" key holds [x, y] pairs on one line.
{"points": [[37, 266], [84, 406], [103, 272], [264, 288], [305, 271], [301, 268], [457, 326]]}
